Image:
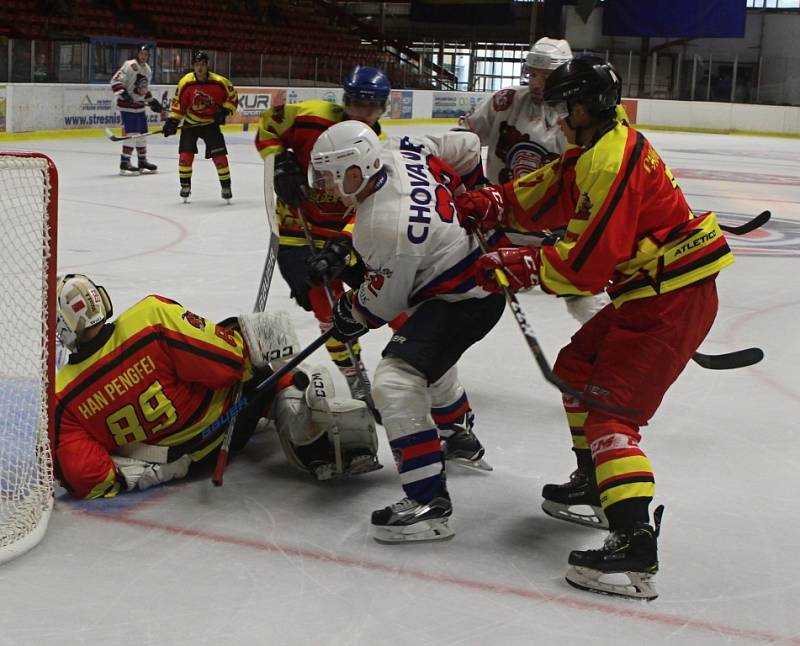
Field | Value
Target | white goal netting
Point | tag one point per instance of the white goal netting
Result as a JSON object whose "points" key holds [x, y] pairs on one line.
{"points": [[28, 193]]}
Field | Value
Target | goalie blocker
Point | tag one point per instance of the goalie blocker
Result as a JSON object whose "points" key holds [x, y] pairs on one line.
{"points": [[323, 435]]}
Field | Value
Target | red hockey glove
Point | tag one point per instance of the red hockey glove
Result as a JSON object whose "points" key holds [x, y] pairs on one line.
{"points": [[481, 209], [519, 264]]}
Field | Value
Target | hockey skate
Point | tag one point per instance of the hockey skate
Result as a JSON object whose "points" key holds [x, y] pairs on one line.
{"points": [[576, 501], [226, 193], [186, 191], [630, 553], [359, 465], [126, 168], [411, 521], [463, 447], [144, 165]]}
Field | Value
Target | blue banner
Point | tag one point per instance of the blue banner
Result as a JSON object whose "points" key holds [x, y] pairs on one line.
{"points": [[675, 19]]}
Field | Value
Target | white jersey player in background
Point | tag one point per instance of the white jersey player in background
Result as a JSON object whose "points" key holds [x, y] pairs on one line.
{"points": [[419, 262], [522, 134], [131, 87]]}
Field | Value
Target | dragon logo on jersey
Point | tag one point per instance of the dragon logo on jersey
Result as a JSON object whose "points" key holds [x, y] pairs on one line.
{"points": [[202, 102], [519, 154], [194, 320]]}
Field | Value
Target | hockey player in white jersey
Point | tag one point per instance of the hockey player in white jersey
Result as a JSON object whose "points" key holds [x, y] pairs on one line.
{"points": [[417, 262], [131, 86], [522, 135]]}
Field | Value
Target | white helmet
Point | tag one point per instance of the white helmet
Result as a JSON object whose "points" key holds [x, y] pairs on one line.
{"points": [[548, 54], [81, 304], [339, 148]]}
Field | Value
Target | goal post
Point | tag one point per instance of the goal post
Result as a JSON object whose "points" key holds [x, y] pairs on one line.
{"points": [[28, 237]]}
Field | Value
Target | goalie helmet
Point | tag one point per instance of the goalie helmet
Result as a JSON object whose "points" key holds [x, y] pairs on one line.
{"points": [[341, 147], [367, 84], [590, 81], [81, 305]]}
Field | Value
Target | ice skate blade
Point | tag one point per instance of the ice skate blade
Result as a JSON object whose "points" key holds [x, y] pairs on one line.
{"points": [[129, 173], [476, 465], [639, 585], [425, 531], [596, 520]]}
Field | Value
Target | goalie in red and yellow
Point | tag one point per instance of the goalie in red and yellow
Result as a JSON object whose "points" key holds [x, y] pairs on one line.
{"points": [[135, 401]]}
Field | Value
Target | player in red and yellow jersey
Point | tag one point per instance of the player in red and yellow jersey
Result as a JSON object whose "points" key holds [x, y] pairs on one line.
{"points": [[629, 231], [135, 398], [203, 99], [289, 132]]}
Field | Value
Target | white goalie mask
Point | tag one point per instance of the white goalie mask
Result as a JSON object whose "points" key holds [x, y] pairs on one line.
{"points": [[81, 305], [343, 146], [546, 54]]}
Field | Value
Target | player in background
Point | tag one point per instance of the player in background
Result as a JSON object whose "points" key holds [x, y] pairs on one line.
{"points": [[289, 132], [203, 99], [522, 135], [628, 230], [418, 261], [131, 86], [135, 399]]}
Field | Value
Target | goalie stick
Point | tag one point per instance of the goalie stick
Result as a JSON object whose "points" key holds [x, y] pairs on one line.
{"points": [[759, 221], [536, 349], [260, 306]]}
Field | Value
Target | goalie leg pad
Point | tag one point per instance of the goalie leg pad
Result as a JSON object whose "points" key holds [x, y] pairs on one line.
{"points": [[326, 436], [270, 337]]}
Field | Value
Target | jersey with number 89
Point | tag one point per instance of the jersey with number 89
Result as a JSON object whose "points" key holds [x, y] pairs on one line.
{"points": [[158, 374]]}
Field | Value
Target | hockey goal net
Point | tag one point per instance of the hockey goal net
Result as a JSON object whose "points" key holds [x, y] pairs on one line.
{"points": [[28, 208]]}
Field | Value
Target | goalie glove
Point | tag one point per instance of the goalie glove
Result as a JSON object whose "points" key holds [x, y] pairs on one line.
{"points": [[270, 337], [141, 475], [290, 180], [331, 261]]}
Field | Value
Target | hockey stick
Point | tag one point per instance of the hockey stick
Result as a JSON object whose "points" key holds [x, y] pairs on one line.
{"points": [[114, 137], [759, 221], [729, 360], [360, 371], [536, 349], [260, 306], [244, 402]]}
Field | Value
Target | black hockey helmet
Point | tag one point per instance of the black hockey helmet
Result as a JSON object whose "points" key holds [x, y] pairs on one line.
{"points": [[589, 81], [199, 55]]}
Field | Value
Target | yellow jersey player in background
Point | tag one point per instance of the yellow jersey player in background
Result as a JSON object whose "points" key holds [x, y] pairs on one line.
{"points": [[203, 100]]}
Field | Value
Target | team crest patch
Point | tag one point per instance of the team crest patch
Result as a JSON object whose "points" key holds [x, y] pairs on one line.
{"points": [[194, 320], [502, 100]]}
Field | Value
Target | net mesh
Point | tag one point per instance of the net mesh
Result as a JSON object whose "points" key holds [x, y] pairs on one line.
{"points": [[26, 472]]}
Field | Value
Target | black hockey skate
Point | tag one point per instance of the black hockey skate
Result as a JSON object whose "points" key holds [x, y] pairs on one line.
{"points": [[632, 552], [408, 520], [226, 193], [144, 165], [463, 447], [125, 167], [186, 191], [576, 501]]}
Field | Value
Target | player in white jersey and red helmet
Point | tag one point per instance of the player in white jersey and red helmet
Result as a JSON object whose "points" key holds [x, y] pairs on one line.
{"points": [[131, 86], [522, 135], [417, 262]]}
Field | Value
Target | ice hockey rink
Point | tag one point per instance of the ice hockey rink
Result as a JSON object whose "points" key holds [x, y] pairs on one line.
{"points": [[276, 558]]}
